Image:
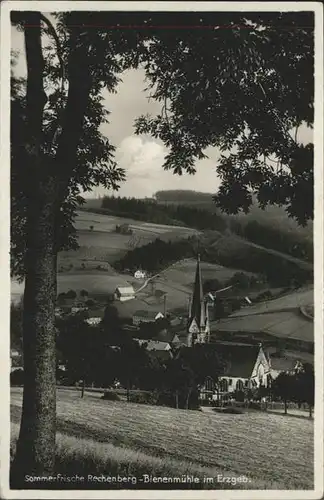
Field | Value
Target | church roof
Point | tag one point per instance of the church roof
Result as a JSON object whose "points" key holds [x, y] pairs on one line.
{"points": [[239, 359]]}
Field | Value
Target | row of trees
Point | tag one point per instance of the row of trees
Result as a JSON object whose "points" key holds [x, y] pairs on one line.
{"points": [[298, 387], [172, 214], [157, 254], [100, 354]]}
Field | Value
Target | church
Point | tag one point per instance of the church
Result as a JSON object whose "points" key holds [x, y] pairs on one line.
{"points": [[198, 329], [247, 366]]}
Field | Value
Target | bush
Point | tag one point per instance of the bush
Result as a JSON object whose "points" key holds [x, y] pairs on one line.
{"points": [[254, 405], [17, 377], [89, 303], [71, 294], [147, 398], [110, 396]]}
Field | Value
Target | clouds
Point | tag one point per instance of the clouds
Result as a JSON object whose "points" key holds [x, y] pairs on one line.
{"points": [[143, 158]]}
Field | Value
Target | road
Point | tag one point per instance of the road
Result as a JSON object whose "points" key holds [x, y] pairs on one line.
{"points": [[146, 282]]}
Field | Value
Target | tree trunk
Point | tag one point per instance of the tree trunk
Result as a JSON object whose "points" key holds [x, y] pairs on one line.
{"points": [[285, 403], [187, 399], [177, 399], [83, 387], [36, 444], [35, 451], [310, 411]]}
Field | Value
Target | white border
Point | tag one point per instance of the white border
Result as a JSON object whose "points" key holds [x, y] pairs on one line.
{"points": [[51, 6]]}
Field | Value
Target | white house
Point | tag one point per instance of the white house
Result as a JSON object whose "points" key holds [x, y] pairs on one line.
{"points": [[124, 293], [139, 274], [93, 321], [146, 317]]}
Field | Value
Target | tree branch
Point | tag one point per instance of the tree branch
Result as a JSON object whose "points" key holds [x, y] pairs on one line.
{"points": [[59, 52]]}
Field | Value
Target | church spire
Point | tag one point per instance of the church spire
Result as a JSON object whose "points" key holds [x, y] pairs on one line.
{"points": [[196, 310], [198, 324]]}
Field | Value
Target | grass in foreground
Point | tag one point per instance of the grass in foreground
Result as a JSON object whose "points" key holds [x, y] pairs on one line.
{"points": [[96, 436]]}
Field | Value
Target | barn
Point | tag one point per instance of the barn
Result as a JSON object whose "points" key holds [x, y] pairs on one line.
{"points": [[143, 316], [124, 293]]}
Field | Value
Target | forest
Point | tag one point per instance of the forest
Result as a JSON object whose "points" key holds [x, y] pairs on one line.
{"points": [[158, 254], [162, 211]]}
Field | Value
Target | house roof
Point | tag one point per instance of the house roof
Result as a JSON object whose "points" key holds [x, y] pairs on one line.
{"points": [[157, 345], [154, 345], [125, 290], [166, 335], [282, 364], [146, 314], [239, 359]]}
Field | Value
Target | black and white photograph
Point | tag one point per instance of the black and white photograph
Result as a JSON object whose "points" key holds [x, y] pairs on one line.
{"points": [[164, 210]]}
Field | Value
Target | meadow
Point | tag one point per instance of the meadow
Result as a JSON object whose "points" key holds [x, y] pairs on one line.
{"points": [[273, 451]]}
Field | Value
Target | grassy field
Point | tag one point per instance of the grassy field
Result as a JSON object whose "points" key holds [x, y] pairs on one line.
{"points": [[99, 244], [273, 451]]}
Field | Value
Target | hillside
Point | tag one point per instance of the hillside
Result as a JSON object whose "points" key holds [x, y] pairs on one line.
{"points": [[100, 245], [271, 216], [159, 439]]}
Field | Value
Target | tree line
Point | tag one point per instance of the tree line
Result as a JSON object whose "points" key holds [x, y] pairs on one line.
{"points": [[172, 214], [209, 218], [158, 254]]}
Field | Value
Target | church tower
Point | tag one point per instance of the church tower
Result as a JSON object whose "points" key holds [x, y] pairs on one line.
{"points": [[198, 320]]}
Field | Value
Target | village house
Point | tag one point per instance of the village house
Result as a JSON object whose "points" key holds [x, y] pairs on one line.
{"points": [[157, 348], [95, 320], [124, 293], [139, 274], [143, 316]]}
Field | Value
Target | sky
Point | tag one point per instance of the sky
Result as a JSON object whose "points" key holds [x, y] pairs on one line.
{"points": [[142, 157]]}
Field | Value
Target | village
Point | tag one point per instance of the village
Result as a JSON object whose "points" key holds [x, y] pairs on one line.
{"points": [[253, 359]]}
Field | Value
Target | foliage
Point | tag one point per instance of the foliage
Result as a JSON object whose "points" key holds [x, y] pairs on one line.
{"points": [[71, 294], [143, 398], [212, 285], [110, 396], [271, 237], [306, 386], [240, 281], [245, 90], [285, 387], [158, 254], [17, 377], [174, 214], [92, 164]]}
